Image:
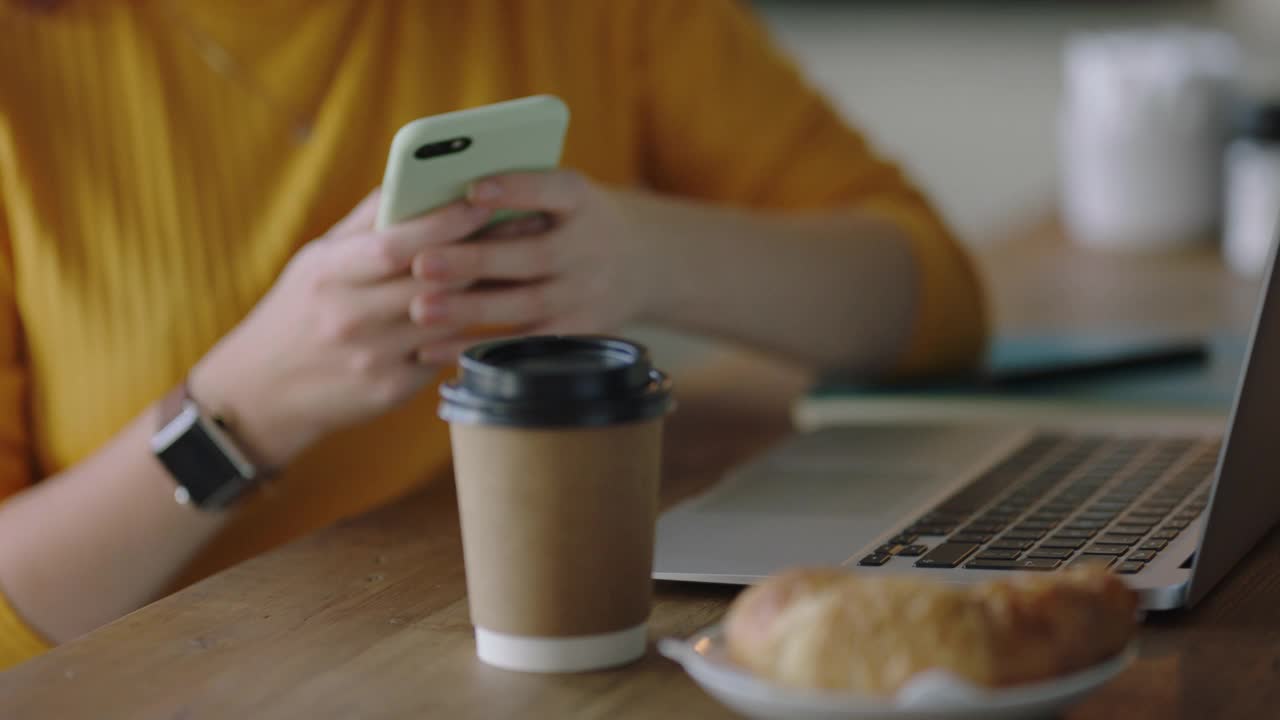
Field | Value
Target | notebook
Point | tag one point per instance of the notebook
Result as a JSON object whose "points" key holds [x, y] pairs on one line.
{"points": [[1190, 391]]}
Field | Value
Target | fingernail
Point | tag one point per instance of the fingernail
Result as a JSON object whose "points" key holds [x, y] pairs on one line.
{"points": [[485, 190], [424, 310], [430, 266], [418, 310]]}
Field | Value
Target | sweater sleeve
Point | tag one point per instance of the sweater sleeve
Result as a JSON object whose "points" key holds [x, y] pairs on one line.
{"points": [[17, 640], [731, 120]]}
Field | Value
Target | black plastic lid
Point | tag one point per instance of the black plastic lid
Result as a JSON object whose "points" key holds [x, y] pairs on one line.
{"points": [[555, 381], [1259, 120]]}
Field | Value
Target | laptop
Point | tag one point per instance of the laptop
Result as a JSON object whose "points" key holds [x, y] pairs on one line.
{"points": [[1171, 510]]}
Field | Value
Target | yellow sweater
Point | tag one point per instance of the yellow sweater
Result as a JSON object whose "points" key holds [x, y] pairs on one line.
{"points": [[148, 201]]}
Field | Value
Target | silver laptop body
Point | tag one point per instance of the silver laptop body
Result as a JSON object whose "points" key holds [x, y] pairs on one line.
{"points": [[1191, 500]]}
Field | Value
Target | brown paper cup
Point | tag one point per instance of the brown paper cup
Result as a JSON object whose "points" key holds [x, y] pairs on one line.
{"points": [[558, 533]]}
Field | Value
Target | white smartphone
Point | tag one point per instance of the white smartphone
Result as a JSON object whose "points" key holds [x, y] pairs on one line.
{"points": [[434, 159]]}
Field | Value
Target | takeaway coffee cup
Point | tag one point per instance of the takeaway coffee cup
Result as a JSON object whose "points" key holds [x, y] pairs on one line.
{"points": [[556, 449]]}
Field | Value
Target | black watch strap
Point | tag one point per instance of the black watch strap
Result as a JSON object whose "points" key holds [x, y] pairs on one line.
{"points": [[211, 471]]}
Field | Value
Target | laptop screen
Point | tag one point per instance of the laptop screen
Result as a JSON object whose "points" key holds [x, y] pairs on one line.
{"points": [[1246, 495]]}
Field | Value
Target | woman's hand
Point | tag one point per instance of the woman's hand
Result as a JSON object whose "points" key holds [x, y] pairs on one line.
{"points": [[575, 266], [332, 342]]}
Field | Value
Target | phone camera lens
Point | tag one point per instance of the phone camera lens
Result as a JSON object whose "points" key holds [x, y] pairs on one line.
{"points": [[443, 147]]}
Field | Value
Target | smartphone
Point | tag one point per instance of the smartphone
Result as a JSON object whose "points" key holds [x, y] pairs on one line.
{"points": [[434, 159]]}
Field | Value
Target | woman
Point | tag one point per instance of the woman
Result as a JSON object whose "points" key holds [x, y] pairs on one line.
{"points": [[175, 180]]}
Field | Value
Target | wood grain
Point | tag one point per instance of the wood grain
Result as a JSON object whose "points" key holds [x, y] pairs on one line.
{"points": [[369, 619]]}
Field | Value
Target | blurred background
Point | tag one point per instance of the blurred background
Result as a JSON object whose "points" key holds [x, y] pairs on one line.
{"points": [[966, 94]]}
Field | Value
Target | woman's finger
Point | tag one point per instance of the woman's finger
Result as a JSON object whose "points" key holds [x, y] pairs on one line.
{"points": [[531, 257], [373, 256], [509, 305], [388, 301], [394, 346], [528, 224], [559, 192]]}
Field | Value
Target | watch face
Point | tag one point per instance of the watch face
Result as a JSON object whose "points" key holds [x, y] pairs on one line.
{"points": [[206, 475]]}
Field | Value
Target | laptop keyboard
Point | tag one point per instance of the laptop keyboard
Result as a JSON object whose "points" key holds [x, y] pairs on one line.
{"points": [[1066, 499]]}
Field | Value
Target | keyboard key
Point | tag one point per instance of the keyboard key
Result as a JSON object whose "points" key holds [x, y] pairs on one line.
{"points": [[1096, 549], [1156, 545], [1118, 539], [1124, 495], [1142, 555], [978, 538], [875, 559], [998, 555], [1057, 541], [1024, 534], [1030, 524], [1086, 525], [1075, 533], [1001, 523], [1178, 524], [1078, 495], [1110, 463], [1103, 516], [1103, 560], [1052, 520], [1165, 534], [1011, 544], [1129, 529], [902, 539], [1146, 521], [886, 550], [1129, 568], [1024, 564], [1118, 498], [1051, 553], [983, 527], [946, 555], [913, 550]]}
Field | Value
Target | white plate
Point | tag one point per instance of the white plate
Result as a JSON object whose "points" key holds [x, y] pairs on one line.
{"points": [[929, 696]]}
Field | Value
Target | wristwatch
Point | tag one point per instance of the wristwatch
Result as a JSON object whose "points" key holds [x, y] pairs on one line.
{"points": [[211, 470]]}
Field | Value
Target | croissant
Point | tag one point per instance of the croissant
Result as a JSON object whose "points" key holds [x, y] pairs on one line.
{"points": [[830, 629]]}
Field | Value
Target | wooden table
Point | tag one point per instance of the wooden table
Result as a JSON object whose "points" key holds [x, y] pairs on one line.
{"points": [[369, 618]]}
